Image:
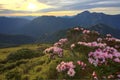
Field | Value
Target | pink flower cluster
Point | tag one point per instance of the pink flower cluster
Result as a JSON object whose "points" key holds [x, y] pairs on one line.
{"points": [[94, 75], [66, 66], [61, 42], [92, 44], [86, 31], [78, 29], [112, 39], [82, 64], [108, 35], [100, 56], [72, 46], [54, 51], [99, 39]]}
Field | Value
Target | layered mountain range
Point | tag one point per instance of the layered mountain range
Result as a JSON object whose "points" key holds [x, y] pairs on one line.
{"points": [[44, 27]]}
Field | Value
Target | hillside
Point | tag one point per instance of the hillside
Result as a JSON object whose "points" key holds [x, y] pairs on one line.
{"points": [[101, 28], [83, 54], [12, 40], [105, 29]]}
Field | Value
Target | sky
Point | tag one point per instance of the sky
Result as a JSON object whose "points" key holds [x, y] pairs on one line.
{"points": [[57, 7]]}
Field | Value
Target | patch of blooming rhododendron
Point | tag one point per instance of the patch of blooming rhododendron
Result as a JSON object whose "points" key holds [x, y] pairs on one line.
{"points": [[81, 64], [69, 67], [103, 54], [66, 66], [92, 44], [109, 37], [56, 49], [61, 42]]}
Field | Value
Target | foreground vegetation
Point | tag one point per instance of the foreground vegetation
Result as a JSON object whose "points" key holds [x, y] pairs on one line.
{"points": [[73, 57]]}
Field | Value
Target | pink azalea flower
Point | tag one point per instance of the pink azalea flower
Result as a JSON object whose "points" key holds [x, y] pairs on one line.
{"points": [[110, 76], [72, 46], [117, 60], [118, 75], [108, 35], [71, 72], [77, 29], [94, 75]]}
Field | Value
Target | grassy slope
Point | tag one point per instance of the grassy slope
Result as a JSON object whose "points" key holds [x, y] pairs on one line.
{"points": [[41, 67]]}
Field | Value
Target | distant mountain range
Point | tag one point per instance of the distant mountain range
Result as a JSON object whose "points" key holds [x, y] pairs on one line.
{"points": [[12, 25], [46, 27], [105, 29]]}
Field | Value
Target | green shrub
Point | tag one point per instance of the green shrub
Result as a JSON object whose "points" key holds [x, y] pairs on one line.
{"points": [[10, 66], [13, 75], [22, 54]]}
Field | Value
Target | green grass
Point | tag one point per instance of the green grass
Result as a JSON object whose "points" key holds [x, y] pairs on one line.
{"points": [[41, 67], [6, 51]]}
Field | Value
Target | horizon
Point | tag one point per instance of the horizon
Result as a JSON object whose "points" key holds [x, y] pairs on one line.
{"points": [[57, 7], [58, 15]]}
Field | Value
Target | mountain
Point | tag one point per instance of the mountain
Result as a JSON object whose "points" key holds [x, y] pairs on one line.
{"points": [[105, 29], [88, 19], [47, 25], [25, 17], [101, 28], [43, 27], [53, 37], [10, 40], [10, 25]]}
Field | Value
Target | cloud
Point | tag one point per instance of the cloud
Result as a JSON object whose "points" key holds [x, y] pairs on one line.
{"points": [[69, 5], [8, 7], [7, 11]]}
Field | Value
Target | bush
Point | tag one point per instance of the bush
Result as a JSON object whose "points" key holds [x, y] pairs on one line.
{"points": [[22, 54], [10, 66], [13, 75]]}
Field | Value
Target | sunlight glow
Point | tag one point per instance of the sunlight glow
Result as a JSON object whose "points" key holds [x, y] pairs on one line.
{"points": [[32, 7]]}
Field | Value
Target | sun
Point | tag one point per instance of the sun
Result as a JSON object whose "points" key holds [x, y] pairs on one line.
{"points": [[32, 7]]}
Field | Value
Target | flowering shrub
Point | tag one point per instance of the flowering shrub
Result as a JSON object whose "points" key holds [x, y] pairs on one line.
{"points": [[72, 46], [109, 37], [77, 29], [97, 51], [86, 31], [66, 66], [54, 51], [92, 44], [101, 56], [82, 64], [99, 39], [61, 42]]}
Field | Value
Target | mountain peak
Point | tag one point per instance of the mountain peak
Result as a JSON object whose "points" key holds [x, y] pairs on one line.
{"points": [[84, 13]]}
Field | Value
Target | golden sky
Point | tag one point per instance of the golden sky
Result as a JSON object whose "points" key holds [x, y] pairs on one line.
{"points": [[56, 7]]}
